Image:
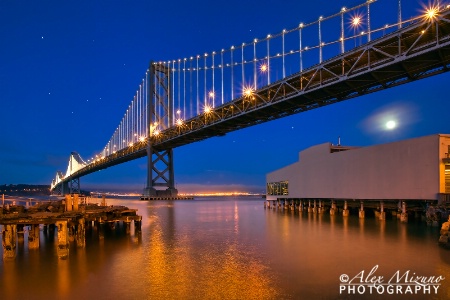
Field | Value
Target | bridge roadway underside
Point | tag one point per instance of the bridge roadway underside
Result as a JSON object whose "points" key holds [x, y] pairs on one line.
{"points": [[417, 51]]}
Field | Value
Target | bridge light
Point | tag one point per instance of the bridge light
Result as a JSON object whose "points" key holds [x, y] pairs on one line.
{"points": [[263, 68], [431, 13], [356, 21], [156, 132], [207, 109], [130, 144], [343, 9], [248, 92], [179, 122], [178, 111], [211, 94], [141, 139]]}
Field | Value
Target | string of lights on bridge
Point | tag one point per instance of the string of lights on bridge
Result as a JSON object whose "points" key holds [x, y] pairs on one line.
{"points": [[201, 83]]}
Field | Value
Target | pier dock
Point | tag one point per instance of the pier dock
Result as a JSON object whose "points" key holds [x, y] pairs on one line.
{"points": [[70, 216]]}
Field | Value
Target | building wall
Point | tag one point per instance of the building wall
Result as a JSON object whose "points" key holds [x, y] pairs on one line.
{"points": [[409, 169]]}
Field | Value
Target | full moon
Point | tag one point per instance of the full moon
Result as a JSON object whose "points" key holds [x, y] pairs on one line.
{"points": [[390, 124]]}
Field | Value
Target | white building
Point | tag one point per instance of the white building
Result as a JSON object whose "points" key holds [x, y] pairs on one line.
{"points": [[414, 169]]}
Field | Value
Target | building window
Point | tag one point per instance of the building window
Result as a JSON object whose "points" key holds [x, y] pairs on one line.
{"points": [[277, 188], [447, 178]]}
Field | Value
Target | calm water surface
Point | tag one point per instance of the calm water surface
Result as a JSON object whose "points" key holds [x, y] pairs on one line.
{"points": [[227, 248]]}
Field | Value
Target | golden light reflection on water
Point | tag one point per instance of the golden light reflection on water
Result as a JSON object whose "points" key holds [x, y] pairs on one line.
{"points": [[190, 264], [224, 250]]}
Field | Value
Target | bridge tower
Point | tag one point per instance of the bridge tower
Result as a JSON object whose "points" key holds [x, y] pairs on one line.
{"points": [[160, 174]]}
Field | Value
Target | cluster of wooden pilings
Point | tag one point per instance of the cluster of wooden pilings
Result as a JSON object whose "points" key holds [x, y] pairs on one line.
{"points": [[70, 217], [396, 209]]}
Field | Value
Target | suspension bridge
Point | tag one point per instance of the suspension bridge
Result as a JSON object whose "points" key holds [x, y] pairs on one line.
{"points": [[190, 99]]}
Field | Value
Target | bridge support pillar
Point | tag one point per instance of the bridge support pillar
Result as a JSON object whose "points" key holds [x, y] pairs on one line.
{"points": [[33, 237], [65, 188], [9, 236], [361, 211], [75, 186], [81, 233], [404, 214], [63, 239], [160, 174], [382, 212], [333, 208]]}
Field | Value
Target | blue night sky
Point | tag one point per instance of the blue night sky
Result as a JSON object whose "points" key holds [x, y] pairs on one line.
{"points": [[69, 69]]}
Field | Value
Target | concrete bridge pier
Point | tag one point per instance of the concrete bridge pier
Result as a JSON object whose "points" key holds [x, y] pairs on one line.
{"points": [[81, 233], [404, 214], [20, 233], [321, 208], [71, 231], [127, 226], [361, 211], [9, 241], [314, 210], [382, 212], [137, 226], [333, 208], [76, 199], [101, 230], [309, 207], [33, 237], [68, 200], [345, 211], [63, 240], [300, 206]]}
